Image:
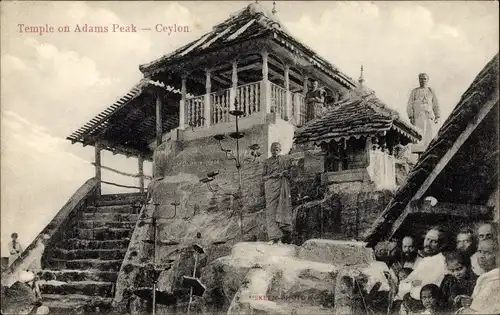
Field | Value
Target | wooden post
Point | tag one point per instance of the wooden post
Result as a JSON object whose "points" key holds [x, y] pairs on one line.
{"points": [[304, 89], [208, 87], [182, 105], [303, 107], [159, 129], [288, 103], [265, 89], [234, 86], [140, 160], [97, 160]]}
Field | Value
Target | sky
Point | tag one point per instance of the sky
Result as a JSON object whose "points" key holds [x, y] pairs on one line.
{"points": [[51, 84]]}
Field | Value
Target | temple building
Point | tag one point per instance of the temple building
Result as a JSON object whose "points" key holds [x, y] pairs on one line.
{"points": [[247, 63], [360, 139]]}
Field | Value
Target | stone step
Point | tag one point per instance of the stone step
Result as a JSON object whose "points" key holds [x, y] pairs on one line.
{"points": [[124, 209], [110, 216], [104, 254], [102, 234], [75, 243], [70, 275], [67, 304], [84, 264], [91, 288], [92, 224], [132, 200]]}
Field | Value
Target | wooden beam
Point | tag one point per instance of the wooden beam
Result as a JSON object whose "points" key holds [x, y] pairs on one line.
{"points": [[454, 209], [240, 69], [108, 145], [220, 80], [279, 66], [446, 159]]}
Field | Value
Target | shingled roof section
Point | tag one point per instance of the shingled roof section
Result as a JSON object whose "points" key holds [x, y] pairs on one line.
{"points": [[252, 22], [358, 117], [122, 111], [483, 90]]}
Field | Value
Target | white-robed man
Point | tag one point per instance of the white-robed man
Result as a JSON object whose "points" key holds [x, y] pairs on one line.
{"points": [[430, 270], [485, 231], [485, 297], [423, 112]]}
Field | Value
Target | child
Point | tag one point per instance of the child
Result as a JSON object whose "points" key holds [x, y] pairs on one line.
{"points": [[404, 273], [430, 296], [459, 282]]}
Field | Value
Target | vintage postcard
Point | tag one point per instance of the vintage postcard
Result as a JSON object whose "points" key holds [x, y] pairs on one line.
{"points": [[250, 157]]}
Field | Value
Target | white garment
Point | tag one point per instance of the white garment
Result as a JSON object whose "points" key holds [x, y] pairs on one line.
{"points": [[375, 272], [430, 269], [15, 251], [423, 107], [475, 265], [485, 297]]}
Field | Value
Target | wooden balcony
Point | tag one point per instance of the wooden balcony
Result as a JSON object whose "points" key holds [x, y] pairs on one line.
{"points": [[212, 109]]}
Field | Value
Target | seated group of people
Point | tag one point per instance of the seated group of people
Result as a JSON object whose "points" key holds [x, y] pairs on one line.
{"points": [[447, 276]]}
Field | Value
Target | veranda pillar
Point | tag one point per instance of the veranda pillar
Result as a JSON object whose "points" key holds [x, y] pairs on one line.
{"points": [[182, 107], [288, 103], [265, 88], [234, 86], [208, 89]]}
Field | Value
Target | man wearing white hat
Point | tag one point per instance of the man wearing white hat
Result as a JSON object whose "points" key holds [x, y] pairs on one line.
{"points": [[19, 298], [423, 112]]}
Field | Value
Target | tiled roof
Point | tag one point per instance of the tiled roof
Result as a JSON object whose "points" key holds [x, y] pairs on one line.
{"points": [[124, 111], [359, 116], [254, 21], [483, 90]]}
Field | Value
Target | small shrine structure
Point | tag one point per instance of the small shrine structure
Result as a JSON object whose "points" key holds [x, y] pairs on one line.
{"points": [[359, 139]]}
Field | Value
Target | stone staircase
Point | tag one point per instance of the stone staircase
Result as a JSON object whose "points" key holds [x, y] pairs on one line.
{"points": [[80, 270]]}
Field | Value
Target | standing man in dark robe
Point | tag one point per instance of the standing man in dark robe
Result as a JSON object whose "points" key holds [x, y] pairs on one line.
{"points": [[315, 100], [277, 194]]}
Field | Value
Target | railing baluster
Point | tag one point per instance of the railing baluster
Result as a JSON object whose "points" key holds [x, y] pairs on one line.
{"points": [[247, 100]]}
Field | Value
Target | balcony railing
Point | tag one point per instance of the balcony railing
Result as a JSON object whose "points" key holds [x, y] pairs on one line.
{"points": [[299, 109], [195, 108], [248, 97], [278, 100], [219, 106]]}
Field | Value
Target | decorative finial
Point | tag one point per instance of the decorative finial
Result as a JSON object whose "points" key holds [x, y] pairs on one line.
{"points": [[274, 8], [361, 78]]}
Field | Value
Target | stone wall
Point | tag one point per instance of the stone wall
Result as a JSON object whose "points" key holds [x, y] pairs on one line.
{"points": [[183, 163], [339, 216]]}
